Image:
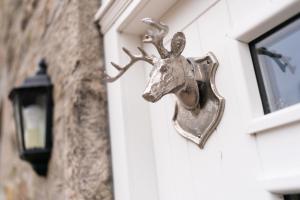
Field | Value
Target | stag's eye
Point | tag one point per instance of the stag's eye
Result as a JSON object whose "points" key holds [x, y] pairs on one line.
{"points": [[163, 69]]}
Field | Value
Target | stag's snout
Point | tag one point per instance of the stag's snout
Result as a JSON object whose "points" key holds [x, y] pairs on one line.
{"points": [[152, 93], [149, 97]]}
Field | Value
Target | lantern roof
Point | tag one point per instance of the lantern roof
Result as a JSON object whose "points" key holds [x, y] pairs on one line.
{"points": [[39, 80]]}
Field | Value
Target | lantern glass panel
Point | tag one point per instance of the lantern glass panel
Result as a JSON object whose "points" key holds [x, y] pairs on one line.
{"points": [[34, 120]]}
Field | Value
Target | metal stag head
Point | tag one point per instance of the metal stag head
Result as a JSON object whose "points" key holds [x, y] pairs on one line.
{"points": [[167, 73], [190, 79]]}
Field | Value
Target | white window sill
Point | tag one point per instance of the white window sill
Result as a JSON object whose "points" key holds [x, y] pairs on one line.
{"points": [[273, 120], [287, 184]]}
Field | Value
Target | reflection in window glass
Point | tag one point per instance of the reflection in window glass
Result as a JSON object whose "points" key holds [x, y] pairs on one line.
{"points": [[276, 57]]}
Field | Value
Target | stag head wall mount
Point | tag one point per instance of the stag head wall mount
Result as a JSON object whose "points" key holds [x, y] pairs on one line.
{"points": [[199, 106]]}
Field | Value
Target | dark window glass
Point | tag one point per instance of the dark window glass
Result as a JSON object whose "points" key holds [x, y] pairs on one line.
{"points": [[292, 197], [276, 58]]}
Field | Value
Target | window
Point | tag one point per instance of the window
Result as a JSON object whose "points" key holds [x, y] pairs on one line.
{"points": [[276, 58], [292, 197]]}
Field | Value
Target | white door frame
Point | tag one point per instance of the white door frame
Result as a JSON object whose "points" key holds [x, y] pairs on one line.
{"points": [[130, 128]]}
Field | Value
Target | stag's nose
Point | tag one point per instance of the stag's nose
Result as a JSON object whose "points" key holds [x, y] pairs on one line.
{"points": [[149, 97]]}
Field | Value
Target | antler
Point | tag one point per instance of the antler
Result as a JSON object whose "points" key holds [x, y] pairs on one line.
{"points": [[133, 59], [157, 37]]}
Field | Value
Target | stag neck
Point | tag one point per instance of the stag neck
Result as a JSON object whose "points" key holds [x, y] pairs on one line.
{"points": [[188, 94]]}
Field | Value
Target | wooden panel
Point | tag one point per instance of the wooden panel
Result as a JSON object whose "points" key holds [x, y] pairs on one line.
{"points": [[235, 157], [133, 160], [229, 158], [279, 151], [183, 13]]}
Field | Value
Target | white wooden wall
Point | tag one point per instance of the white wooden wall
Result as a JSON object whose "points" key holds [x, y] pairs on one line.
{"points": [[249, 156]]}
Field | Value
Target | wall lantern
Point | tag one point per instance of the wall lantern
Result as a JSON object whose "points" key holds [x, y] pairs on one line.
{"points": [[33, 106]]}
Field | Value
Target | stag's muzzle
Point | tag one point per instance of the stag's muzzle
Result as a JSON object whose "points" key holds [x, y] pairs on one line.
{"points": [[152, 93], [149, 97]]}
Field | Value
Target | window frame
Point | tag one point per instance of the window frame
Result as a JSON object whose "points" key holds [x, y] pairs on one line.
{"points": [[257, 67]]}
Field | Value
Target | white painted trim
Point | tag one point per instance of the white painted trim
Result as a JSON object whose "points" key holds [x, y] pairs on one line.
{"points": [[107, 16], [273, 120], [287, 184], [132, 151], [103, 9], [265, 20], [130, 169]]}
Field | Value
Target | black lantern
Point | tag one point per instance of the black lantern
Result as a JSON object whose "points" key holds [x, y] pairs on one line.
{"points": [[33, 106]]}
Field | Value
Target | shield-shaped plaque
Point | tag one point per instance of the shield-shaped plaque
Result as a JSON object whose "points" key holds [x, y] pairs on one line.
{"points": [[197, 125]]}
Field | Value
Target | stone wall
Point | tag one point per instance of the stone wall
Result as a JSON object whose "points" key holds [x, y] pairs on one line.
{"points": [[62, 32]]}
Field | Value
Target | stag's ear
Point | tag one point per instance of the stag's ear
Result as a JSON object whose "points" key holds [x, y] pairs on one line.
{"points": [[177, 44]]}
